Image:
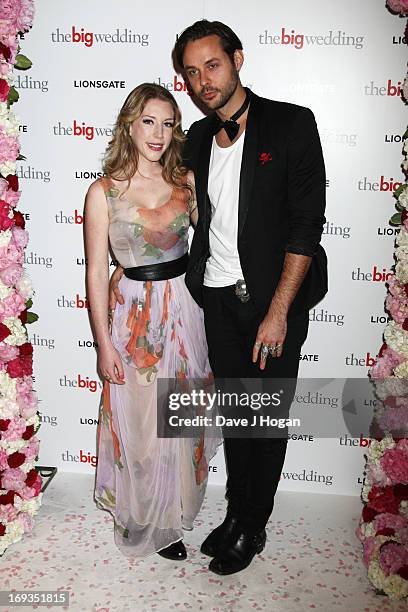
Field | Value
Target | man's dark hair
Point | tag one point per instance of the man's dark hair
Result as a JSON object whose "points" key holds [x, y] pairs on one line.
{"points": [[229, 40]]}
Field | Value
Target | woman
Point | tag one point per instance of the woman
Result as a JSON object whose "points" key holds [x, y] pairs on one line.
{"points": [[153, 486]]}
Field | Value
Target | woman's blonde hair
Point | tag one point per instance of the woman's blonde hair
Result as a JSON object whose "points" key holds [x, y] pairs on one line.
{"points": [[121, 157]]}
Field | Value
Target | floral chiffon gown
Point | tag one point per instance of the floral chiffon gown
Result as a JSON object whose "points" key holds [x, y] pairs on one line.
{"points": [[153, 487]]}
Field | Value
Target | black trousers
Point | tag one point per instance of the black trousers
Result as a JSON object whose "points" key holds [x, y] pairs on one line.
{"points": [[253, 464]]}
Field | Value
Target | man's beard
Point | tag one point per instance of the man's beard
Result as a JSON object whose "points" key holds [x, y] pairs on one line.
{"points": [[227, 93]]}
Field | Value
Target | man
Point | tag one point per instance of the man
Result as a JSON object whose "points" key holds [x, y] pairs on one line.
{"points": [[256, 266]]}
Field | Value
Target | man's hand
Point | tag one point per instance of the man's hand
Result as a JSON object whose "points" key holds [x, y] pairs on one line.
{"points": [[271, 333], [114, 293]]}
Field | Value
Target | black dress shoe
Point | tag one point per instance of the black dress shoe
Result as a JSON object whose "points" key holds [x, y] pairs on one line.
{"points": [[175, 552], [221, 537], [240, 554]]}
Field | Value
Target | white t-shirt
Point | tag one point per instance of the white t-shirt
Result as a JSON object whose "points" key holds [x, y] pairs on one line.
{"points": [[223, 266]]}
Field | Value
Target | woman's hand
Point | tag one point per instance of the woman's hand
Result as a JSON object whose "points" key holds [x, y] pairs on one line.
{"points": [[110, 365], [193, 199], [114, 292]]}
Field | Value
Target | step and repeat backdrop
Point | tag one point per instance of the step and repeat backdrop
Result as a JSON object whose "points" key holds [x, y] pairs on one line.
{"points": [[345, 64]]}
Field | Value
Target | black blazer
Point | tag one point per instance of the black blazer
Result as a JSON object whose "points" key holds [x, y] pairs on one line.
{"points": [[281, 201]]}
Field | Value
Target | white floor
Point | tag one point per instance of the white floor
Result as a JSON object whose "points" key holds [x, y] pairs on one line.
{"points": [[312, 560]]}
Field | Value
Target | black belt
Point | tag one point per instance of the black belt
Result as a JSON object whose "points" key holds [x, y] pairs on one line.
{"points": [[160, 271]]}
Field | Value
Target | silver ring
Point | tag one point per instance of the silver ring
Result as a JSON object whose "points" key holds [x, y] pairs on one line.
{"points": [[265, 351], [274, 349]]}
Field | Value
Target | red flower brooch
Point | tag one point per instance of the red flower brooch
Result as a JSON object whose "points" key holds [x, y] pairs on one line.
{"points": [[265, 157]]}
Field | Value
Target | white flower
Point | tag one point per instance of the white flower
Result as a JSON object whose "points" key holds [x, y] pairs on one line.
{"points": [[403, 198], [12, 446], [402, 370], [402, 238], [365, 490], [8, 167], [4, 291], [31, 506], [9, 121], [368, 529], [9, 77], [24, 286], [14, 533], [377, 448], [18, 333], [401, 253], [401, 272], [28, 465], [5, 237], [7, 386], [391, 386], [405, 87], [404, 508], [395, 337], [8, 409], [396, 587], [34, 420]]}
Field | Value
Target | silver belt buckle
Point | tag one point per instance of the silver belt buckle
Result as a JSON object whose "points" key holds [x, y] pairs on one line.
{"points": [[241, 290]]}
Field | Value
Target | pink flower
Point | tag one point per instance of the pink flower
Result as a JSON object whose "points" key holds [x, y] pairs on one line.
{"points": [[11, 275], [392, 557], [397, 308], [9, 255], [20, 237], [398, 6], [26, 398], [7, 352], [8, 195], [391, 521], [17, 16], [376, 475], [380, 370], [13, 479], [33, 491], [15, 429], [394, 420], [31, 451], [9, 147], [368, 549], [403, 445], [396, 289], [3, 460], [25, 16], [8, 513], [394, 462], [11, 306]]}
